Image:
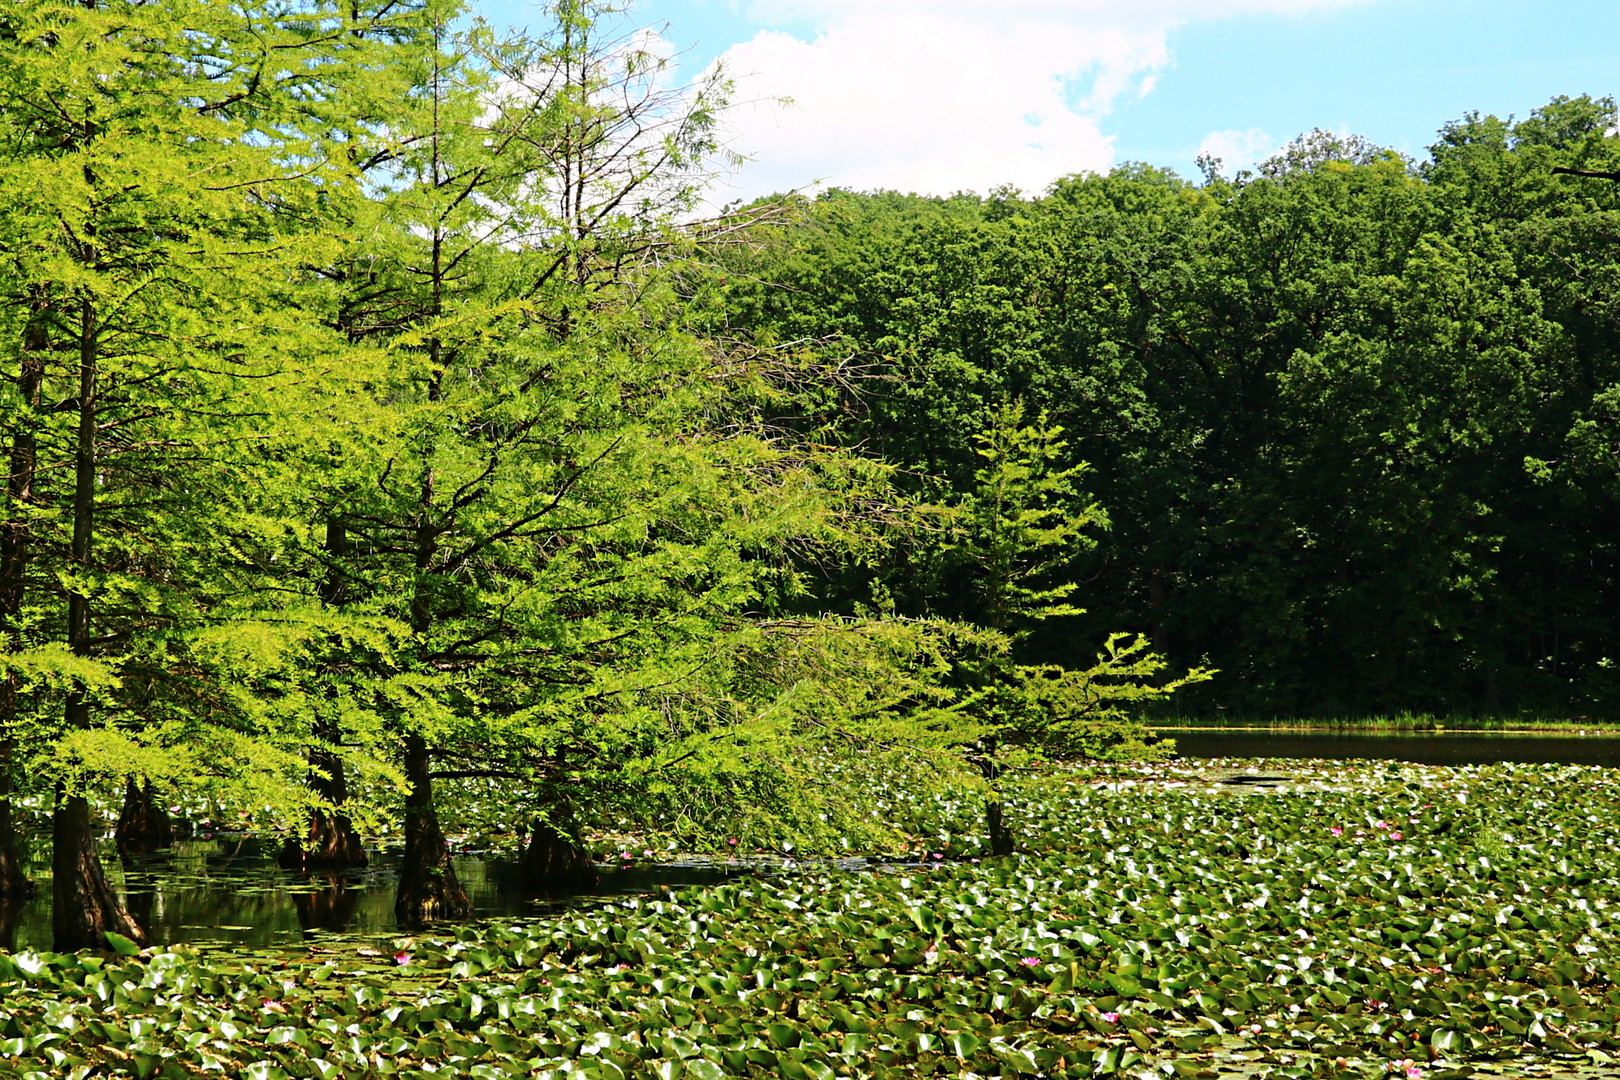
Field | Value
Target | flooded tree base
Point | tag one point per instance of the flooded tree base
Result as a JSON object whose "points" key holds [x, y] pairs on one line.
{"points": [[431, 894], [84, 907], [428, 889], [143, 824], [330, 844], [558, 862]]}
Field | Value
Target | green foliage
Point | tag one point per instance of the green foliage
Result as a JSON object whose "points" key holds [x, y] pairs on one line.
{"points": [[1020, 525], [169, 173], [1022, 522], [1351, 416]]}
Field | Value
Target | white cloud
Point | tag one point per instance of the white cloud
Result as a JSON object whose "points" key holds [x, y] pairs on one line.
{"points": [[1239, 149], [945, 95], [1113, 12]]}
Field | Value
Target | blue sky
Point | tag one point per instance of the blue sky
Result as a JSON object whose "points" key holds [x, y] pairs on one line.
{"points": [[941, 95]]}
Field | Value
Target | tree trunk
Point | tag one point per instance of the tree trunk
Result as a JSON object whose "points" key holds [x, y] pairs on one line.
{"points": [[556, 859], [83, 905], [14, 538], [428, 889], [1001, 840], [143, 825], [14, 883], [331, 842]]}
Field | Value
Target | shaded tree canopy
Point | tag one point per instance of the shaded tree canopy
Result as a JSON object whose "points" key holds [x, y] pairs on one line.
{"points": [[1351, 416]]}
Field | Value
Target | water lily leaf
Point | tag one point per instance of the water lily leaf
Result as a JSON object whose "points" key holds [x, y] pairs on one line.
{"points": [[120, 944], [703, 1069], [1017, 1057]]}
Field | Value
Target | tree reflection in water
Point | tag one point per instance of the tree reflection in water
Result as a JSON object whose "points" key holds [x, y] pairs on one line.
{"points": [[11, 917], [330, 906]]}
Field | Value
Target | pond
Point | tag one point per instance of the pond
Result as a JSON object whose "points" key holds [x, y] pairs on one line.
{"points": [[229, 890], [1419, 747]]}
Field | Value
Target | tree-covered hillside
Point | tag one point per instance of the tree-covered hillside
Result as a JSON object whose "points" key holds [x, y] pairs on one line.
{"points": [[1353, 420]]}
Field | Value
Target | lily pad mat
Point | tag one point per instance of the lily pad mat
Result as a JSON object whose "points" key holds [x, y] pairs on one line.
{"points": [[1455, 919]]}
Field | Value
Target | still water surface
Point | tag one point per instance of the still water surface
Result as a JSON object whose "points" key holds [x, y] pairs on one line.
{"points": [[1422, 747], [231, 891]]}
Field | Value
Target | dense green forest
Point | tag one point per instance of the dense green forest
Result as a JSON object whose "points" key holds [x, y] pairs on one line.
{"points": [[1353, 420]]}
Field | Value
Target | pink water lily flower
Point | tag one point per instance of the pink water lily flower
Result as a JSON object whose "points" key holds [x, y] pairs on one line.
{"points": [[1030, 961], [1336, 831], [402, 958], [1111, 1017], [1380, 824], [1394, 836]]}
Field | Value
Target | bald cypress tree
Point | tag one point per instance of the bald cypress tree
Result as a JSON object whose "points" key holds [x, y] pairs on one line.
{"points": [[164, 178]]}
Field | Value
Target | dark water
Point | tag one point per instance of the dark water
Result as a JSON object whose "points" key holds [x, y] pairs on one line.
{"points": [[1421, 747], [230, 891]]}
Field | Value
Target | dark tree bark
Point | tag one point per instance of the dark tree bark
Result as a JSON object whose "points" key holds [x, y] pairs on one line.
{"points": [[428, 889], [556, 859], [1560, 170], [331, 842], [1001, 839], [14, 539], [143, 824], [83, 904], [14, 882]]}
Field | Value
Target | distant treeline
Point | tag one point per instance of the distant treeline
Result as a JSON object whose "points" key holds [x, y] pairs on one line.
{"points": [[1355, 419]]}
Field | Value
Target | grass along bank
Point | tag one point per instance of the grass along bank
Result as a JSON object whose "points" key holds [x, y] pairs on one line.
{"points": [[1369, 919], [1398, 722]]}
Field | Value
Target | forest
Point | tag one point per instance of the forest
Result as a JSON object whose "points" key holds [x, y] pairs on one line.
{"points": [[394, 437], [1351, 419]]}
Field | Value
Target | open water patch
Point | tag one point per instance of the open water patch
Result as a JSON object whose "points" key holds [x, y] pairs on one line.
{"points": [[1418, 748], [230, 891]]}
